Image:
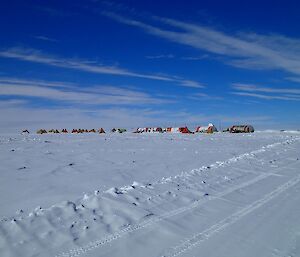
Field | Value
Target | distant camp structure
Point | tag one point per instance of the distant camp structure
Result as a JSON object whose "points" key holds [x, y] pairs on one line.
{"points": [[25, 131], [183, 130], [210, 128], [148, 130], [139, 130], [42, 131], [80, 131], [118, 130], [55, 131], [240, 129], [101, 131]]}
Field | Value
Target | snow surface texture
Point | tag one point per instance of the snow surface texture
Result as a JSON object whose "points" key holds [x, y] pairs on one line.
{"points": [[196, 195]]}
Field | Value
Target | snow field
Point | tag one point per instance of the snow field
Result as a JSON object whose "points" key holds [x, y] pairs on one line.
{"points": [[116, 216], [42, 170]]}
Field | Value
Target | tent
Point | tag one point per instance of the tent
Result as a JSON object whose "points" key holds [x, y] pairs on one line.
{"points": [[101, 131], [149, 130], [42, 131], [183, 130], [210, 128], [25, 132], [139, 130], [241, 129], [119, 130]]}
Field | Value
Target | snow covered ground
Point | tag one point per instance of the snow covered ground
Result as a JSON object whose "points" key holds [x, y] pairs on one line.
{"points": [[150, 195]]}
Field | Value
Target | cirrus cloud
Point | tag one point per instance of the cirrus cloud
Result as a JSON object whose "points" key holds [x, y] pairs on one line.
{"points": [[72, 93], [267, 93], [246, 50], [33, 55]]}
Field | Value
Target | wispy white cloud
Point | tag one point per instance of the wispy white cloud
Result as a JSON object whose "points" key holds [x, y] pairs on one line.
{"points": [[69, 93], [204, 96], [33, 55], [255, 88], [191, 83], [195, 58], [9, 80], [46, 39], [294, 79], [6, 103], [267, 97], [172, 56], [37, 56], [251, 51], [267, 93], [161, 56]]}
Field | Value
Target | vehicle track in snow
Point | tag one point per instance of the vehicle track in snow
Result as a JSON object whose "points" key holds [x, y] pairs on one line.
{"points": [[135, 227], [230, 220]]}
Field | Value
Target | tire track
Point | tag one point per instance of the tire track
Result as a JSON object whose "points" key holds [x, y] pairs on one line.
{"points": [[230, 220], [142, 225], [135, 227]]}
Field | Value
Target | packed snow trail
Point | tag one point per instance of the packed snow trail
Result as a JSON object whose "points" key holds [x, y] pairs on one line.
{"points": [[223, 224]]}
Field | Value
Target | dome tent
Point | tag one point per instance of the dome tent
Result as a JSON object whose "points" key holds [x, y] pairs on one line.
{"points": [[210, 128]]}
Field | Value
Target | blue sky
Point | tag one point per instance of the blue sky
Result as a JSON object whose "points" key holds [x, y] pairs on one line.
{"points": [[148, 63]]}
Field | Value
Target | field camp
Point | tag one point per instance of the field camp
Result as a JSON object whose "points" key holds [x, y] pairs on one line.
{"points": [[209, 129], [136, 128]]}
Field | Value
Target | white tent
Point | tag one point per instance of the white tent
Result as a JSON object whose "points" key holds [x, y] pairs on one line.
{"points": [[206, 129]]}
